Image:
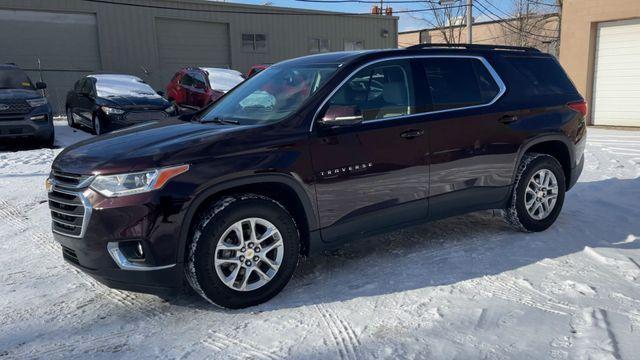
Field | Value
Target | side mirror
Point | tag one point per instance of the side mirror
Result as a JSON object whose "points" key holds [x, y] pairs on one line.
{"points": [[339, 115], [160, 92], [40, 85]]}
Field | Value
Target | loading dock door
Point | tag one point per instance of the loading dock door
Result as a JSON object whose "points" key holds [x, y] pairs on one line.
{"points": [[616, 86], [65, 43], [183, 43]]}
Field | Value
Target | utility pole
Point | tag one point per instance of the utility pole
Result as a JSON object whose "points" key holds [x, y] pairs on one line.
{"points": [[469, 21]]}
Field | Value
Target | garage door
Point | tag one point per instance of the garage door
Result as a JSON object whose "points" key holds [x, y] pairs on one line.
{"points": [[616, 85], [66, 44], [184, 43]]}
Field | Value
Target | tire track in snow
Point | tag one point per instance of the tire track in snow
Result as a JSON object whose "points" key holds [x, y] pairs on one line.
{"points": [[341, 332], [522, 291], [12, 216], [593, 337], [221, 342], [82, 345]]}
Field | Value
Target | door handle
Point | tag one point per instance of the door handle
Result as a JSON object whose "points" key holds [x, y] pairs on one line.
{"points": [[412, 133], [508, 119]]}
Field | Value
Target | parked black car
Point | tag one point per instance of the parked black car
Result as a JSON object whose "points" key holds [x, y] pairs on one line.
{"points": [[24, 111], [314, 152], [109, 102]]}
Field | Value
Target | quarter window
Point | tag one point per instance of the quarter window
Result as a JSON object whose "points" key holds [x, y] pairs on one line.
{"points": [[459, 82], [377, 92]]}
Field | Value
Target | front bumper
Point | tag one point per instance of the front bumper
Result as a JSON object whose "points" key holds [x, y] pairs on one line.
{"points": [[99, 232], [21, 125]]}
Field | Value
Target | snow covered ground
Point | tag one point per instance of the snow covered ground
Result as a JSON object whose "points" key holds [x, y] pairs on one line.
{"points": [[466, 287]]}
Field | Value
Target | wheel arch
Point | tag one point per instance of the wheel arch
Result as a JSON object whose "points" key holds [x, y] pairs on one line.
{"points": [[282, 188], [558, 146]]}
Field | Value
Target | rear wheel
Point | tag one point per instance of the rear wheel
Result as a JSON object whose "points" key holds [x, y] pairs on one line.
{"points": [[70, 120], [243, 252], [538, 194]]}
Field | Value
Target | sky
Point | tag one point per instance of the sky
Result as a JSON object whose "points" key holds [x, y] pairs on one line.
{"points": [[406, 22]]}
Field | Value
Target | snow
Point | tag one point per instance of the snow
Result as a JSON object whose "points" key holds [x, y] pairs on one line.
{"points": [[466, 287]]}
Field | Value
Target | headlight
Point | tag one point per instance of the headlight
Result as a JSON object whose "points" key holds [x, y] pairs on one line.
{"points": [[37, 102], [111, 111], [170, 109], [135, 183]]}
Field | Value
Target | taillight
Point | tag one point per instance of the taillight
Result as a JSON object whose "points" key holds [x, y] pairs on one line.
{"points": [[579, 106]]}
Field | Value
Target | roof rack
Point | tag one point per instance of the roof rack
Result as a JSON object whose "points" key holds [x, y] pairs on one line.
{"points": [[472, 47]]}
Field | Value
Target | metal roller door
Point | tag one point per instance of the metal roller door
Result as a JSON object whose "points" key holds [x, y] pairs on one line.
{"points": [[183, 43], [65, 43], [616, 87]]}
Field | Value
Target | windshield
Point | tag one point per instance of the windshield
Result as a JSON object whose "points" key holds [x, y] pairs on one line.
{"points": [[224, 80], [13, 78], [272, 95], [123, 86]]}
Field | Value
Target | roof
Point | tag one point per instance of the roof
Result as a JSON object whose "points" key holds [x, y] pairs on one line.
{"points": [[114, 77]]}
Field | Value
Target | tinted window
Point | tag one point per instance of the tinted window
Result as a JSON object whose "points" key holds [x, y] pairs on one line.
{"points": [[376, 92], [187, 80], [459, 82], [199, 81], [86, 87], [13, 78], [544, 75], [119, 85]]}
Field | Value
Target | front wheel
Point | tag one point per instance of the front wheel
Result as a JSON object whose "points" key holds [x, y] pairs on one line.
{"points": [[243, 252], [97, 125], [70, 120], [538, 194]]}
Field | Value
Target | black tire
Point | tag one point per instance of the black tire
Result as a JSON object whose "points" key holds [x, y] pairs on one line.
{"points": [[516, 213], [70, 120], [200, 268], [49, 140], [96, 128]]}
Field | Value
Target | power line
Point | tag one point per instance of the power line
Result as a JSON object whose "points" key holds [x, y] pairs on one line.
{"points": [[505, 23], [369, 1], [255, 12], [511, 17]]}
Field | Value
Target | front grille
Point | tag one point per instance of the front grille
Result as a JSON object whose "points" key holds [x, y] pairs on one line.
{"points": [[70, 210], [14, 107], [145, 115], [69, 180], [11, 117], [70, 255]]}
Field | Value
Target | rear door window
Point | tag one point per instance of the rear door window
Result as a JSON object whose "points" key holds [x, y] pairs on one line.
{"points": [[456, 83], [543, 75]]}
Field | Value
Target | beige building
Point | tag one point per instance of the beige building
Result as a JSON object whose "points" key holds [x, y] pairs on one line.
{"points": [[600, 50], [545, 30]]}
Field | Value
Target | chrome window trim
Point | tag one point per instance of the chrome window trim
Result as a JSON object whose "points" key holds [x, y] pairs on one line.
{"points": [[87, 212], [502, 87]]}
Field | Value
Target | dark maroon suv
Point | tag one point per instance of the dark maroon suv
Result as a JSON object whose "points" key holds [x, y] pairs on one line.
{"points": [[311, 153]]}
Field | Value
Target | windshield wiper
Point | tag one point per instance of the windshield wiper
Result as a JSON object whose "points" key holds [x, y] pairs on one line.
{"points": [[222, 121]]}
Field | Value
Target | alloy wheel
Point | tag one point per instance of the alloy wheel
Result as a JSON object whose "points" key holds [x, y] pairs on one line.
{"points": [[541, 194], [249, 254]]}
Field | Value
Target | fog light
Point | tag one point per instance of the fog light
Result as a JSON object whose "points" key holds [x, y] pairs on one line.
{"points": [[42, 117]]}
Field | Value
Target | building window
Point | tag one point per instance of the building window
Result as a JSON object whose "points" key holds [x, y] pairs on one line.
{"points": [[424, 37], [353, 45], [318, 45], [254, 42]]}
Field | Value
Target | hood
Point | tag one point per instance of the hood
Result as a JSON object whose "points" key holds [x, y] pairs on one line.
{"points": [[135, 102], [19, 94], [145, 146]]}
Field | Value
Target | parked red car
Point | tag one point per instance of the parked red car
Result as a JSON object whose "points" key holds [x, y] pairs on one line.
{"points": [[256, 69], [197, 87]]}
